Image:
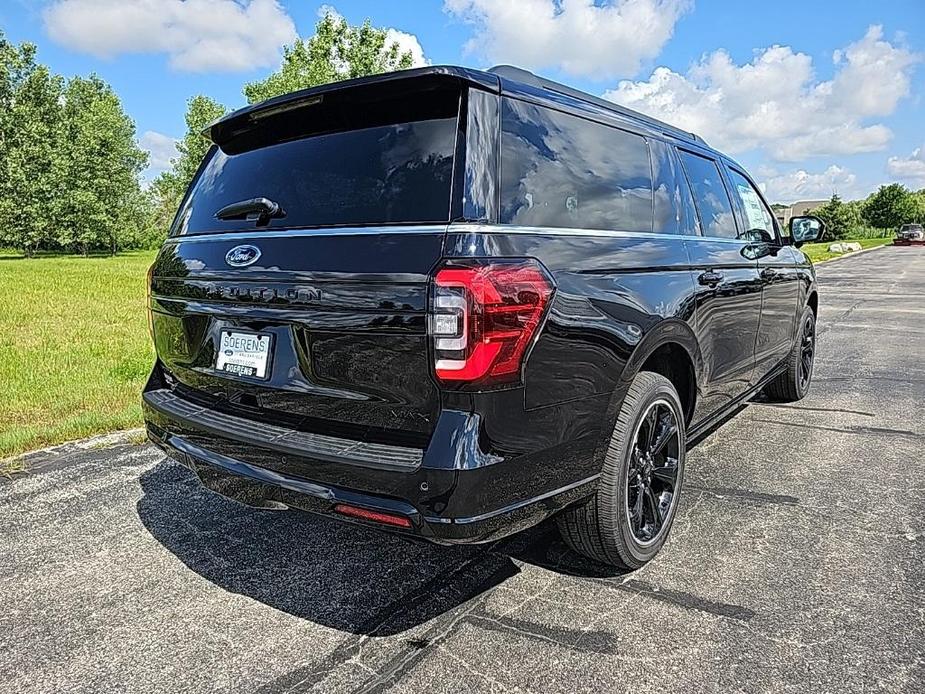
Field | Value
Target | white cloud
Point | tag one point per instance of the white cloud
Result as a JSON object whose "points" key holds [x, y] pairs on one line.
{"points": [[407, 42], [774, 102], [578, 36], [790, 186], [197, 35], [909, 169], [160, 148]]}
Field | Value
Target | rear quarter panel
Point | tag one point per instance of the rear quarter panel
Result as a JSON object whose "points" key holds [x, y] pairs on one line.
{"points": [[616, 295]]}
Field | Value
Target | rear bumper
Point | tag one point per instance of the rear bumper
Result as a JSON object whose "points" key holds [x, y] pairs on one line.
{"points": [[451, 492]]}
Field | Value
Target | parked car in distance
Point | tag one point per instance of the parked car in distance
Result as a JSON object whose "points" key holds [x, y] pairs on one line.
{"points": [[452, 303], [911, 232]]}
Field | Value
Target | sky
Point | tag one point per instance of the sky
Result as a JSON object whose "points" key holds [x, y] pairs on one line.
{"points": [[812, 97]]}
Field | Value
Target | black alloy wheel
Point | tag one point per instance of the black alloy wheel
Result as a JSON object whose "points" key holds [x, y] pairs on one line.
{"points": [[651, 485], [807, 352], [793, 382], [627, 521]]}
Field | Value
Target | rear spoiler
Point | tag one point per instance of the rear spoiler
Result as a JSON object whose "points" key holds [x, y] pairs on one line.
{"points": [[227, 127]]}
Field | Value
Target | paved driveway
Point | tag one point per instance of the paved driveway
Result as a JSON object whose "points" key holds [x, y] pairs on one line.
{"points": [[797, 562]]}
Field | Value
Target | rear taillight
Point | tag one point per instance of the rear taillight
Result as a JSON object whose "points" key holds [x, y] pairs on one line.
{"points": [[484, 317]]}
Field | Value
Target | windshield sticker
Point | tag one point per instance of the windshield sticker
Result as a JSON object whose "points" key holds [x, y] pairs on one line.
{"points": [[753, 208]]}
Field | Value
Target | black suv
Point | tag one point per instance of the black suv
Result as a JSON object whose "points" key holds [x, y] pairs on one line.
{"points": [[452, 303]]}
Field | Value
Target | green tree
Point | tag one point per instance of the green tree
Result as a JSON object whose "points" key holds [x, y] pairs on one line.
{"points": [[841, 218], [890, 206], [100, 162], [168, 188], [30, 121], [164, 195], [919, 198], [200, 111], [336, 52]]}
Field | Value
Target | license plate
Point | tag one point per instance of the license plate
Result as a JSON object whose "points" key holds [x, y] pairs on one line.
{"points": [[244, 354]]}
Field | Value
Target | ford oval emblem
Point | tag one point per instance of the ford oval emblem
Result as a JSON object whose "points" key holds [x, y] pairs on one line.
{"points": [[242, 256]]}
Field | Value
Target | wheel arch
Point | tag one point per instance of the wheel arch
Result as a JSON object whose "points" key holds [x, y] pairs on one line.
{"points": [[669, 344], [672, 350], [813, 302]]}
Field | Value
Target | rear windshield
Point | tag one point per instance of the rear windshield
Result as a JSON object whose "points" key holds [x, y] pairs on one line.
{"points": [[389, 173]]}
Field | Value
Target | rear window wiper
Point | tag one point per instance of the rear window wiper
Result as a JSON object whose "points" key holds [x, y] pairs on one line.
{"points": [[259, 210]]}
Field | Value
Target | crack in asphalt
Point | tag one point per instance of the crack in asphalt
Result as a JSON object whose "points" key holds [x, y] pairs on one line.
{"points": [[780, 406], [861, 430]]}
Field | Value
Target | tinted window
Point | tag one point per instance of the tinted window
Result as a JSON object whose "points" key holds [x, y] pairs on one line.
{"points": [[563, 171], [759, 222], [674, 207], [710, 196], [480, 196], [397, 173]]}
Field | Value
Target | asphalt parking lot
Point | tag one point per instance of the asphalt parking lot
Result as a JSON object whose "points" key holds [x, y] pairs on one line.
{"points": [[797, 562]]}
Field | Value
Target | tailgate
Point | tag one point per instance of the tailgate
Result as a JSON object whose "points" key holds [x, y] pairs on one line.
{"points": [[346, 316], [294, 284]]}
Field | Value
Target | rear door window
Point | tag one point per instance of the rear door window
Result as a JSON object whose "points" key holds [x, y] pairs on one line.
{"points": [[559, 170], [710, 196], [391, 173], [674, 206]]}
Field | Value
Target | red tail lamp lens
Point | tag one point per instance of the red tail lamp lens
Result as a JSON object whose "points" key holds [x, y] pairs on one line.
{"points": [[485, 317], [374, 516]]}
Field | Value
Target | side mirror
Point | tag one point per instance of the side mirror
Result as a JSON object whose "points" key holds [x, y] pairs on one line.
{"points": [[805, 230]]}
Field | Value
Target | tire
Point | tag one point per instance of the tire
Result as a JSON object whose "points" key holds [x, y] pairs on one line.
{"points": [[793, 384], [613, 526]]}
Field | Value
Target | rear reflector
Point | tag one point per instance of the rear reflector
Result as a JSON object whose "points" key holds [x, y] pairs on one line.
{"points": [[373, 516], [484, 316]]}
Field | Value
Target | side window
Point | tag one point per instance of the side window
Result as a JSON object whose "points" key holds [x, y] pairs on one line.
{"points": [[759, 222], [559, 170], [710, 196], [674, 207]]}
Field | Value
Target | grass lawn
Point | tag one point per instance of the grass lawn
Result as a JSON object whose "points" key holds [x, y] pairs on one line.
{"points": [[820, 251], [74, 347]]}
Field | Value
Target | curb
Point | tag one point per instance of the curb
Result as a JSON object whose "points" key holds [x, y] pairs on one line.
{"points": [[29, 461], [852, 254]]}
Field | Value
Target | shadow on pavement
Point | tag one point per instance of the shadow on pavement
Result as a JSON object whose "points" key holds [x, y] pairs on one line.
{"points": [[723, 421], [335, 574]]}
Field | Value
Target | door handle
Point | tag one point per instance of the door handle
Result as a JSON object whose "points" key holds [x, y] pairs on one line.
{"points": [[768, 273], [710, 278]]}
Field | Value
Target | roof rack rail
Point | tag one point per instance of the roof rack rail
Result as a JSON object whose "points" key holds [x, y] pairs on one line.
{"points": [[526, 77]]}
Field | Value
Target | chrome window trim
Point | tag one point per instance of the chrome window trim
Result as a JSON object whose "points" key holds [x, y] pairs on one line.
{"points": [[465, 228], [455, 228]]}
